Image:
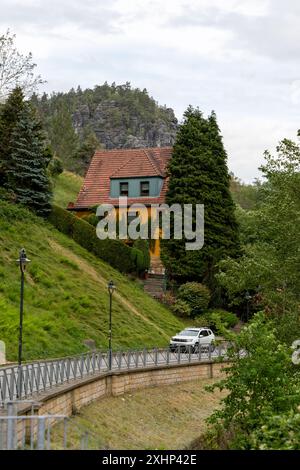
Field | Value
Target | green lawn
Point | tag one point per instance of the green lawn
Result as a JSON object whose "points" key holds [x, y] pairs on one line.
{"points": [[66, 299], [66, 188]]}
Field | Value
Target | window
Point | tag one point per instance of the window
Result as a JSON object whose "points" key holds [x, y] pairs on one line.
{"points": [[203, 333], [144, 188], [123, 189]]}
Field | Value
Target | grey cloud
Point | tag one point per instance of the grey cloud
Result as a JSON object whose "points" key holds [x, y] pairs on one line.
{"points": [[276, 35], [45, 17]]}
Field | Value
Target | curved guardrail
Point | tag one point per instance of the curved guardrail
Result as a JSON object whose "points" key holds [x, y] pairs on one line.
{"points": [[22, 382]]}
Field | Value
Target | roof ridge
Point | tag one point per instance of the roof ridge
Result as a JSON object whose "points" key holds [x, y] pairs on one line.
{"points": [[152, 162]]}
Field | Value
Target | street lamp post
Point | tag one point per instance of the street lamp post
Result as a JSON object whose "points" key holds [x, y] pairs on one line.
{"points": [[111, 287], [23, 261], [248, 297]]}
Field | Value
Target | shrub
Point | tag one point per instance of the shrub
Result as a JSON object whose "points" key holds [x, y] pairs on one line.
{"points": [[260, 385], [114, 252], [6, 195], [217, 319], [181, 308], [168, 298], [143, 246], [91, 219], [55, 167], [62, 220], [196, 295], [137, 256], [279, 432]]}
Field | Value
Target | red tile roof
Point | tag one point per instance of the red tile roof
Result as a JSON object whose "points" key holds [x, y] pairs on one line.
{"points": [[122, 163]]}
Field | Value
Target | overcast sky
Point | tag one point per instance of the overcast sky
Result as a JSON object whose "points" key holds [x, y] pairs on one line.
{"points": [[238, 57]]}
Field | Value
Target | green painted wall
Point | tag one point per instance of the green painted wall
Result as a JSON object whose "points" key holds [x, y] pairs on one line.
{"points": [[155, 184]]}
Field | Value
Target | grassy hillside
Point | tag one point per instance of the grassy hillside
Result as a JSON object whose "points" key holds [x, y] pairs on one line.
{"points": [[135, 421], [66, 299], [66, 188]]}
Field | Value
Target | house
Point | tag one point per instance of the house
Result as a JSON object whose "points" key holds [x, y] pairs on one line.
{"points": [[138, 174]]}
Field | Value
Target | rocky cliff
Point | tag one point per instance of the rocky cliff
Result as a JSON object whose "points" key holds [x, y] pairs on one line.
{"points": [[114, 130]]}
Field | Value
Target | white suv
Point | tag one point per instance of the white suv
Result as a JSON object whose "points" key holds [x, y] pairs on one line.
{"points": [[192, 338]]}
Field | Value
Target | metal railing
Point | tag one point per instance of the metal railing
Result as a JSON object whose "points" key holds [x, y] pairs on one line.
{"points": [[21, 382], [35, 432]]}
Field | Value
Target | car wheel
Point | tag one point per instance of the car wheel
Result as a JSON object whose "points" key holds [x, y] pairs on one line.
{"points": [[195, 349]]}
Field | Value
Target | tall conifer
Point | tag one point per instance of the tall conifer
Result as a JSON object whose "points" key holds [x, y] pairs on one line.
{"points": [[199, 175], [9, 116], [29, 158]]}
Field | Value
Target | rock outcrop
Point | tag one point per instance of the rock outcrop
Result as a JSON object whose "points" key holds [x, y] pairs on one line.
{"points": [[118, 127]]}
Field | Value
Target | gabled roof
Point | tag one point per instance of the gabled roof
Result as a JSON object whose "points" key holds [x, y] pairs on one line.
{"points": [[122, 163], [138, 166]]}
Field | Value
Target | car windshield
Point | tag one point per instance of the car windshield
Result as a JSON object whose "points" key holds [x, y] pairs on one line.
{"points": [[188, 333]]}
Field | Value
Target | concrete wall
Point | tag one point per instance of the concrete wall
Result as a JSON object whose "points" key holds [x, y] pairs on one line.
{"points": [[70, 398]]}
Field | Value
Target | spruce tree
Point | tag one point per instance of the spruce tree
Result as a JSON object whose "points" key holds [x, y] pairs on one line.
{"points": [[198, 174], [29, 158], [9, 115]]}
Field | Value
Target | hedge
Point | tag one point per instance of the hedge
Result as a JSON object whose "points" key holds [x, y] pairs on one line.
{"points": [[113, 252]]}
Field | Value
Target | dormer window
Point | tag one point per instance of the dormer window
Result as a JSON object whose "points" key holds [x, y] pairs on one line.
{"points": [[144, 189], [123, 189]]}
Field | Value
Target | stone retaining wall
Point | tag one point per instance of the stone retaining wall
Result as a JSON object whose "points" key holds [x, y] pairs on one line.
{"points": [[70, 398]]}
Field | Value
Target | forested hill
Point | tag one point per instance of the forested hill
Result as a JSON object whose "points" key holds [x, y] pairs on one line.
{"points": [[108, 116]]}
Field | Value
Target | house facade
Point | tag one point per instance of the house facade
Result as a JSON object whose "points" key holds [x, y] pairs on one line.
{"points": [[138, 174]]}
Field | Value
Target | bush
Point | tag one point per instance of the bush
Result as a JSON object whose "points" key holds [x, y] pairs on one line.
{"points": [[92, 219], [137, 256], [62, 220], [217, 319], [181, 308], [196, 295], [168, 298], [260, 385], [143, 246], [279, 432], [7, 195], [55, 167], [114, 252]]}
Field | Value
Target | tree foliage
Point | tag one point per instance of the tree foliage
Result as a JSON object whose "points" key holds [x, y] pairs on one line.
{"points": [[28, 162], [270, 265], [262, 383], [9, 115], [199, 175], [15, 69], [64, 141]]}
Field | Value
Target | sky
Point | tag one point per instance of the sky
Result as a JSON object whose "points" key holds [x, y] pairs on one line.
{"points": [[238, 57]]}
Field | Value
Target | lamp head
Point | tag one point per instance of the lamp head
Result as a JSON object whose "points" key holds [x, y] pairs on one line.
{"points": [[23, 260], [248, 296], [111, 287]]}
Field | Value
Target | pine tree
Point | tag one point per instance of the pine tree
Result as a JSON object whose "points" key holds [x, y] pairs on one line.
{"points": [[27, 174], [9, 115], [199, 175], [64, 140], [89, 145]]}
